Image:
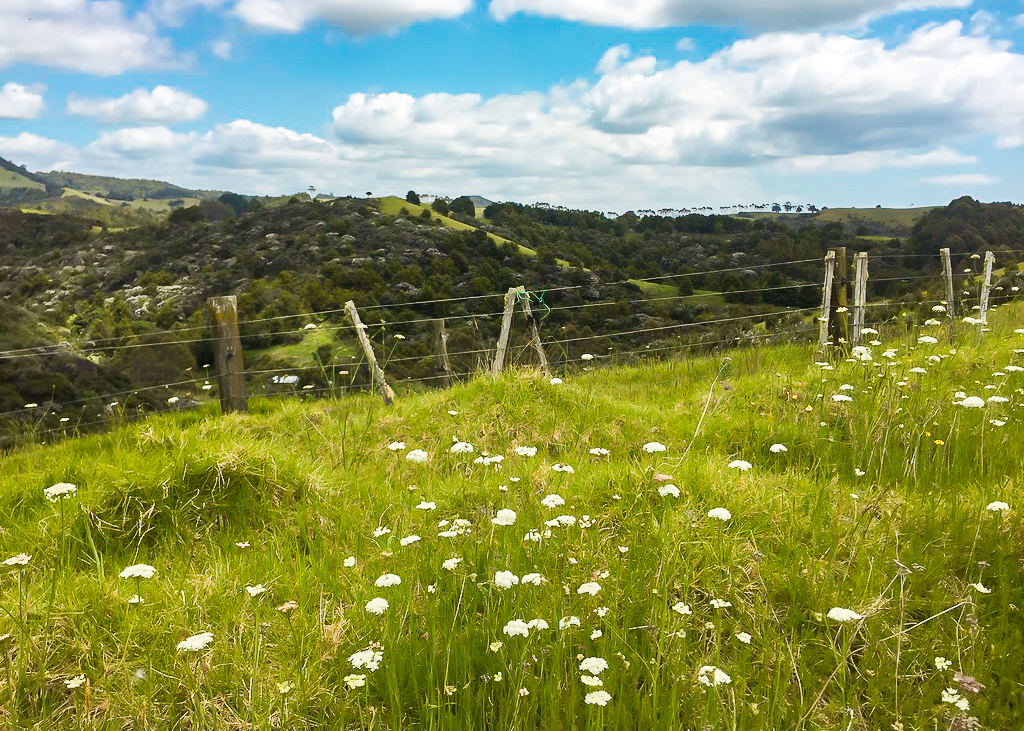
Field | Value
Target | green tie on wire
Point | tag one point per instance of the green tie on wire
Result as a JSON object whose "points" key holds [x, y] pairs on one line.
{"points": [[538, 298]]}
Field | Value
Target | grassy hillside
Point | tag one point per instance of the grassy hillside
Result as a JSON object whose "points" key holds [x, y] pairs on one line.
{"points": [[643, 555], [393, 205], [119, 187], [903, 218], [9, 179], [884, 222]]}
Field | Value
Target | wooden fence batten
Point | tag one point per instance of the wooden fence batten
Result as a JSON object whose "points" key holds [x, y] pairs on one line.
{"points": [[441, 347], [947, 274], [376, 371], [506, 325], [860, 288], [826, 298]]}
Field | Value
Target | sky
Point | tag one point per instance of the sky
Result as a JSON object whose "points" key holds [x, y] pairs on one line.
{"points": [[597, 104]]}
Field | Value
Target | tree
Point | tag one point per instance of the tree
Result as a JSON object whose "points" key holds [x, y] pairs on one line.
{"points": [[464, 205], [776, 208], [440, 205], [411, 197]]}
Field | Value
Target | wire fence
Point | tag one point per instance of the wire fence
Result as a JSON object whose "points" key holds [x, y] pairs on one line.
{"points": [[338, 378]]}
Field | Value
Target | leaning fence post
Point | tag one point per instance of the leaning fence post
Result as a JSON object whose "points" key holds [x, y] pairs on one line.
{"points": [[535, 338], [986, 286], [441, 348], [826, 298], [227, 354], [376, 371], [506, 325], [947, 274], [860, 289]]}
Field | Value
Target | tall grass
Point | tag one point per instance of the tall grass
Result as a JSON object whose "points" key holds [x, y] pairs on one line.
{"points": [[878, 505]]}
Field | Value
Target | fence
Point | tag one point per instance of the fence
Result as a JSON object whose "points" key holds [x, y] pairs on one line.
{"points": [[833, 330]]}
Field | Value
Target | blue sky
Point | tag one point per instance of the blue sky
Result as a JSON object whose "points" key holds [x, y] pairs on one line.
{"points": [[592, 104]]}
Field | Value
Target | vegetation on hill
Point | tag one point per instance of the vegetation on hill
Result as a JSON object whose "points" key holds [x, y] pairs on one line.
{"points": [[759, 542], [598, 285], [124, 189], [967, 225]]}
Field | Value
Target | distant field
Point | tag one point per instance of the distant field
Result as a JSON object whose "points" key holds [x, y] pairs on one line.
{"points": [[393, 205], [886, 216], [154, 205], [302, 354], [13, 180], [900, 217]]}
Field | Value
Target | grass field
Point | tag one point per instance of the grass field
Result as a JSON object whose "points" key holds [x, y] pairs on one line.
{"points": [[393, 205], [900, 218], [895, 217], [9, 179], [751, 542]]}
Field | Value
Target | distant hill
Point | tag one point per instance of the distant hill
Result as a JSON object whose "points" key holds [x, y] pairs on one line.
{"points": [[969, 225], [897, 222], [124, 189], [480, 202], [15, 176]]}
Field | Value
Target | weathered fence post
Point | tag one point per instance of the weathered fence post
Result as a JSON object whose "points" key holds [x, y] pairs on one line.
{"points": [[860, 290], [506, 325], [947, 275], [986, 286], [826, 298], [535, 338], [376, 371], [441, 348], [227, 354], [841, 299]]}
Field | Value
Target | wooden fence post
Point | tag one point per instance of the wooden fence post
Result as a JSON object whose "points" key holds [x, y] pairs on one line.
{"points": [[986, 286], [506, 325], [227, 355], [826, 298], [860, 290], [376, 371], [947, 274], [841, 298], [535, 338], [441, 348]]}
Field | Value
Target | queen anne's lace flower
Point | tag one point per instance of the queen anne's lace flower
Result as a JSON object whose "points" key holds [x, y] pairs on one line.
{"points": [[196, 642], [138, 571], [840, 614]]}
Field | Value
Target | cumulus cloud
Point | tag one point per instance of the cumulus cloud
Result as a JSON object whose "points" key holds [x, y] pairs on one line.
{"points": [[961, 181], [163, 105], [803, 100], [90, 36], [354, 16], [19, 102], [34, 151], [777, 106], [763, 14]]}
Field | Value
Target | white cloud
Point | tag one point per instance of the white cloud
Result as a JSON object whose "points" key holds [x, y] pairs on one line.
{"points": [[961, 181], [163, 105], [354, 16], [19, 102], [90, 36], [765, 14], [174, 12], [643, 133], [222, 48], [35, 152]]}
